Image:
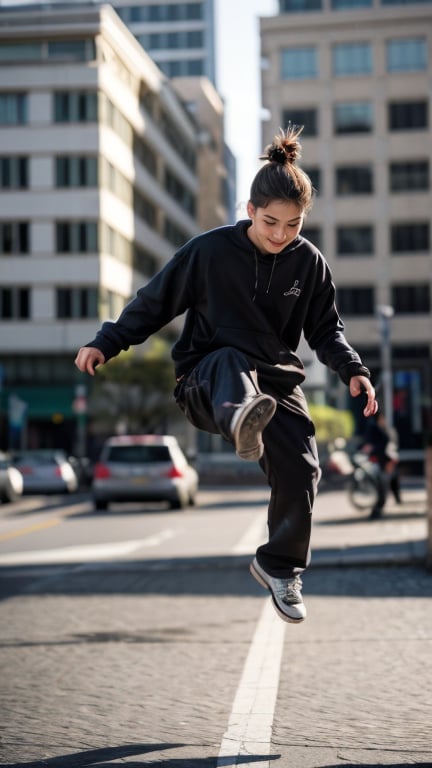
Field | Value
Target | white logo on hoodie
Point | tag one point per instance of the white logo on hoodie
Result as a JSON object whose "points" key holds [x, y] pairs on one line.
{"points": [[294, 291]]}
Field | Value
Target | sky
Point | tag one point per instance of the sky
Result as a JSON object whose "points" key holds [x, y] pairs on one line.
{"points": [[239, 82]]}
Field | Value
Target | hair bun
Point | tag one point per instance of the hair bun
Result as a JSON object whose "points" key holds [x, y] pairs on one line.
{"points": [[285, 147], [277, 154]]}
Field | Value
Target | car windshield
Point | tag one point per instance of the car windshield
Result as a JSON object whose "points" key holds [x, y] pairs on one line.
{"points": [[36, 459], [139, 454]]}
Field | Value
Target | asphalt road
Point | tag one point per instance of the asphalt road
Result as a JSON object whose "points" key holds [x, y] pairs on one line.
{"points": [[171, 655]]}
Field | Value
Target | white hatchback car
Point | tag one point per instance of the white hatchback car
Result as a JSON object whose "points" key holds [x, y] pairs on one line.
{"points": [[143, 468]]}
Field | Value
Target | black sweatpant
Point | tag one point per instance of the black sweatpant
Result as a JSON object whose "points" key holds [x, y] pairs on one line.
{"points": [[208, 396]]}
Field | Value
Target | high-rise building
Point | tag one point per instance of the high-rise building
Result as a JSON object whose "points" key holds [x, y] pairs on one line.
{"points": [[357, 75], [180, 37], [98, 188]]}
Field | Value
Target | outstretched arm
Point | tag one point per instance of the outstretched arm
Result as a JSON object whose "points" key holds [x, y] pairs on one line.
{"points": [[359, 384]]}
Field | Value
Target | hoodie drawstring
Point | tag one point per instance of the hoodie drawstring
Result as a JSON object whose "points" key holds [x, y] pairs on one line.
{"points": [[256, 274]]}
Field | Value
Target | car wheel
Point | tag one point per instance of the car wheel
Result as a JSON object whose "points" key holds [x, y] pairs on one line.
{"points": [[100, 504], [8, 494], [177, 503]]}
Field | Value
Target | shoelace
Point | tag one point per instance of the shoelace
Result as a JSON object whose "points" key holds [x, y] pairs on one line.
{"points": [[289, 590]]}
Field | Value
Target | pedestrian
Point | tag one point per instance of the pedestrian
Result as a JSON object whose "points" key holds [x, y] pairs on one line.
{"points": [[249, 290], [380, 443]]}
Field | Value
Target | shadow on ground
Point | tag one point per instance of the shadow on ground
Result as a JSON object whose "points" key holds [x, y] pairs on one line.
{"points": [[212, 576], [102, 758]]}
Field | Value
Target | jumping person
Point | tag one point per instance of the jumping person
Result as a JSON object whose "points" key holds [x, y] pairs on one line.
{"points": [[249, 290]]}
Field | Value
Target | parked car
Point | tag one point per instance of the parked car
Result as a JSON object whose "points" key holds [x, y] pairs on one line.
{"points": [[144, 468], [11, 481], [46, 471]]}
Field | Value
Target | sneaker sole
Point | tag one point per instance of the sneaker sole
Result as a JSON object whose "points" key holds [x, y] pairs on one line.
{"points": [[257, 576], [254, 422]]}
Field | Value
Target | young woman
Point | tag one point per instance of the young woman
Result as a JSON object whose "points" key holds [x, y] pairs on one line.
{"points": [[249, 290]]}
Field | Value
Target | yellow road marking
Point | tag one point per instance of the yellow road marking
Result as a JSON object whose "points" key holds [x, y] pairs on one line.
{"points": [[29, 529]]}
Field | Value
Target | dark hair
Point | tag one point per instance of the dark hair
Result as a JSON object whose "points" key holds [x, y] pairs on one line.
{"points": [[281, 178]]}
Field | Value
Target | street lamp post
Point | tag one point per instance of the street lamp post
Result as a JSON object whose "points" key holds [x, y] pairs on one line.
{"points": [[385, 314]]}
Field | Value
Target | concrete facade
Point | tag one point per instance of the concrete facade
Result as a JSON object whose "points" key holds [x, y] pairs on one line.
{"points": [[108, 183], [315, 64]]}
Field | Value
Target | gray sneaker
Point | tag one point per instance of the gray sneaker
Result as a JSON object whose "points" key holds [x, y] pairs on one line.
{"points": [[248, 423], [286, 593]]}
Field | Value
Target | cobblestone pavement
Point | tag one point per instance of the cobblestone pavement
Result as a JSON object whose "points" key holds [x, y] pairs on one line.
{"points": [[137, 665]]}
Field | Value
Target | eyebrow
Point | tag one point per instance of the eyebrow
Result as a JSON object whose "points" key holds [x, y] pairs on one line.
{"points": [[290, 221]]}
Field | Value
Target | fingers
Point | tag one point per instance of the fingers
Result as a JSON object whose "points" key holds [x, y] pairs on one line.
{"points": [[88, 358], [371, 406], [359, 384]]}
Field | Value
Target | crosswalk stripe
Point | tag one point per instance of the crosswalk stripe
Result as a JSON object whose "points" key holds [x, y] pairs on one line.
{"points": [[85, 552]]}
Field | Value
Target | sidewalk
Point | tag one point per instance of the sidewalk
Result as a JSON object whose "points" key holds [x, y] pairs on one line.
{"points": [[344, 536]]}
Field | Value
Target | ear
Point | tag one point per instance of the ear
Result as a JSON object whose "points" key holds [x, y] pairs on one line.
{"points": [[251, 210]]}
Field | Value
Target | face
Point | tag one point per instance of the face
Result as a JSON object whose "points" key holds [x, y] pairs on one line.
{"points": [[274, 227]]}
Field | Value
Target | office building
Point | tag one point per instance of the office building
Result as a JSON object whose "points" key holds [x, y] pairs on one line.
{"points": [[180, 37], [98, 188], [357, 75]]}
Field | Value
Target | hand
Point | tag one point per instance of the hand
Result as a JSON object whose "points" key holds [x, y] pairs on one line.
{"points": [[359, 384], [88, 358]]}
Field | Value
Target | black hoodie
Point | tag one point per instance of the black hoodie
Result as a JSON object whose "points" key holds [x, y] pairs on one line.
{"points": [[235, 296]]}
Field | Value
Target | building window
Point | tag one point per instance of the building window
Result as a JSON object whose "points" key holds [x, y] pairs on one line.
{"points": [[145, 154], [410, 176], [406, 116], [156, 41], [77, 302], [174, 234], [182, 68], [315, 177], [352, 59], [14, 237], [181, 145], [347, 5], [314, 235], [13, 108], [65, 50], [354, 180], [76, 237], [299, 63], [179, 192], [13, 172], [299, 6], [411, 299], [21, 51], [75, 106], [145, 209], [355, 241], [404, 2], [72, 50], [356, 301], [162, 12], [407, 55], [14, 303], [144, 261], [308, 118], [407, 238], [353, 117], [76, 171]]}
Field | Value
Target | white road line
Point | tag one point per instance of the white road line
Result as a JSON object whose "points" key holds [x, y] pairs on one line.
{"points": [[86, 552], [253, 537], [250, 724]]}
